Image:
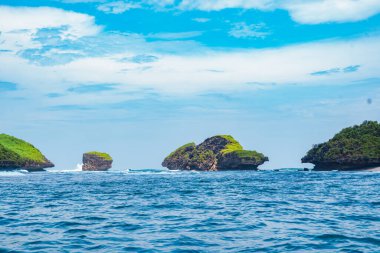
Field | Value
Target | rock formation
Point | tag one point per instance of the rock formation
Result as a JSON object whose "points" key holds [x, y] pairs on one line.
{"points": [[353, 148], [221, 152], [96, 161], [18, 154]]}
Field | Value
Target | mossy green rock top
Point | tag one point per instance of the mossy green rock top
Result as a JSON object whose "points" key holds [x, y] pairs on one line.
{"points": [[353, 148], [18, 154], [221, 152], [96, 161], [104, 156]]}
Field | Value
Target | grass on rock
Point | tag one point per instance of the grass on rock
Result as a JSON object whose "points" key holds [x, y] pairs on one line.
{"points": [[17, 150], [105, 156]]}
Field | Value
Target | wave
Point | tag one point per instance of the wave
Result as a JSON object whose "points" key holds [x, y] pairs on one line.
{"points": [[16, 173], [147, 171], [78, 168]]}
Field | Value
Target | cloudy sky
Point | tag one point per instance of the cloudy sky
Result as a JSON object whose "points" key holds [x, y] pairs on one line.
{"points": [[137, 79]]}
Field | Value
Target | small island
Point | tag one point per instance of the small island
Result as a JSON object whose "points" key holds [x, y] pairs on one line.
{"points": [[221, 152], [18, 154], [353, 148], [96, 161]]}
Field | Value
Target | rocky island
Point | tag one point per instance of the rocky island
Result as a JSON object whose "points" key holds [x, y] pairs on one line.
{"points": [[353, 148], [221, 152], [96, 161], [18, 154]]}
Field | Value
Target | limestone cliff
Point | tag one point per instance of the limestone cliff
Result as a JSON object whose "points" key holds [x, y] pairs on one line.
{"points": [[221, 152], [96, 161]]}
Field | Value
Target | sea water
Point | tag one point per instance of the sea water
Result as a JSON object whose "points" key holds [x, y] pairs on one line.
{"points": [[162, 211]]}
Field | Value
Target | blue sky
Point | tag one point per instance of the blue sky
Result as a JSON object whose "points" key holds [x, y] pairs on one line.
{"points": [[139, 78]]}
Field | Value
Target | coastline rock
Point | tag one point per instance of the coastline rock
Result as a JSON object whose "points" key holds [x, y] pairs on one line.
{"points": [[353, 148], [18, 154], [96, 161], [221, 152]]}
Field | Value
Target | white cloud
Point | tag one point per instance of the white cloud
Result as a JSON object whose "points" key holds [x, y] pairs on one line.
{"points": [[81, 1], [243, 30], [215, 5], [19, 24], [118, 7], [160, 3], [180, 73], [201, 20], [307, 12], [28, 18], [302, 11], [189, 74], [174, 36], [322, 11]]}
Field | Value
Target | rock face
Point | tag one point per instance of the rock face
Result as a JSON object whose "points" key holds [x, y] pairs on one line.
{"points": [[353, 148], [96, 161], [221, 152], [18, 154]]}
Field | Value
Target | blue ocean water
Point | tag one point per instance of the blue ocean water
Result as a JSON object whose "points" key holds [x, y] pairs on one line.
{"points": [[151, 211]]}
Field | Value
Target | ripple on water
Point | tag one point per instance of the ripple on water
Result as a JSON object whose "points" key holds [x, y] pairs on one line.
{"points": [[189, 212]]}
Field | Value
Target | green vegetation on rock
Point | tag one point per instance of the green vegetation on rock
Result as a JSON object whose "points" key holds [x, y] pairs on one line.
{"points": [[19, 152], [231, 146], [248, 154], [182, 150], [202, 156], [359, 144], [105, 156]]}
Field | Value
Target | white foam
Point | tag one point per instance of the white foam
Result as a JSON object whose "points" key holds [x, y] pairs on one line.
{"points": [[153, 171], [76, 169], [12, 173]]}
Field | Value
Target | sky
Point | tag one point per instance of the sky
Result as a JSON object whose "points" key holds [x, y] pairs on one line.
{"points": [[137, 79]]}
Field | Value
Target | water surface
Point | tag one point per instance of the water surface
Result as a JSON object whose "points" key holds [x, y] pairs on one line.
{"points": [[152, 211]]}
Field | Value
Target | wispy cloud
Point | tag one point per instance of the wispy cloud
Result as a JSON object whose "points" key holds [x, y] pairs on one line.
{"points": [[326, 72], [244, 31], [348, 69], [201, 20], [92, 88], [141, 58], [216, 5], [118, 7], [55, 95], [352, 68], [306, 12], [69, 108], [174, 35]]}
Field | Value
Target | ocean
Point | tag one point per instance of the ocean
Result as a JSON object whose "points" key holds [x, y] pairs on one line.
{"points": [[162, 211]]}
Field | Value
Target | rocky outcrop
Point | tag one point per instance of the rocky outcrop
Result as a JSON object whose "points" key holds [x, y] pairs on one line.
{"points": [[353, 148], [18, 154], [96, 161], [221, 152]]}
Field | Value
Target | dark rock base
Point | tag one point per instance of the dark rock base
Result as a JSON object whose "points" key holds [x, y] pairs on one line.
{"points": [[344, 167], [29, 166], [95, 163]]}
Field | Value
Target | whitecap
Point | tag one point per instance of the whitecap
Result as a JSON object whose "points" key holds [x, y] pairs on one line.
{"points": [[12, 173], [146, 171], [76, 169]]}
